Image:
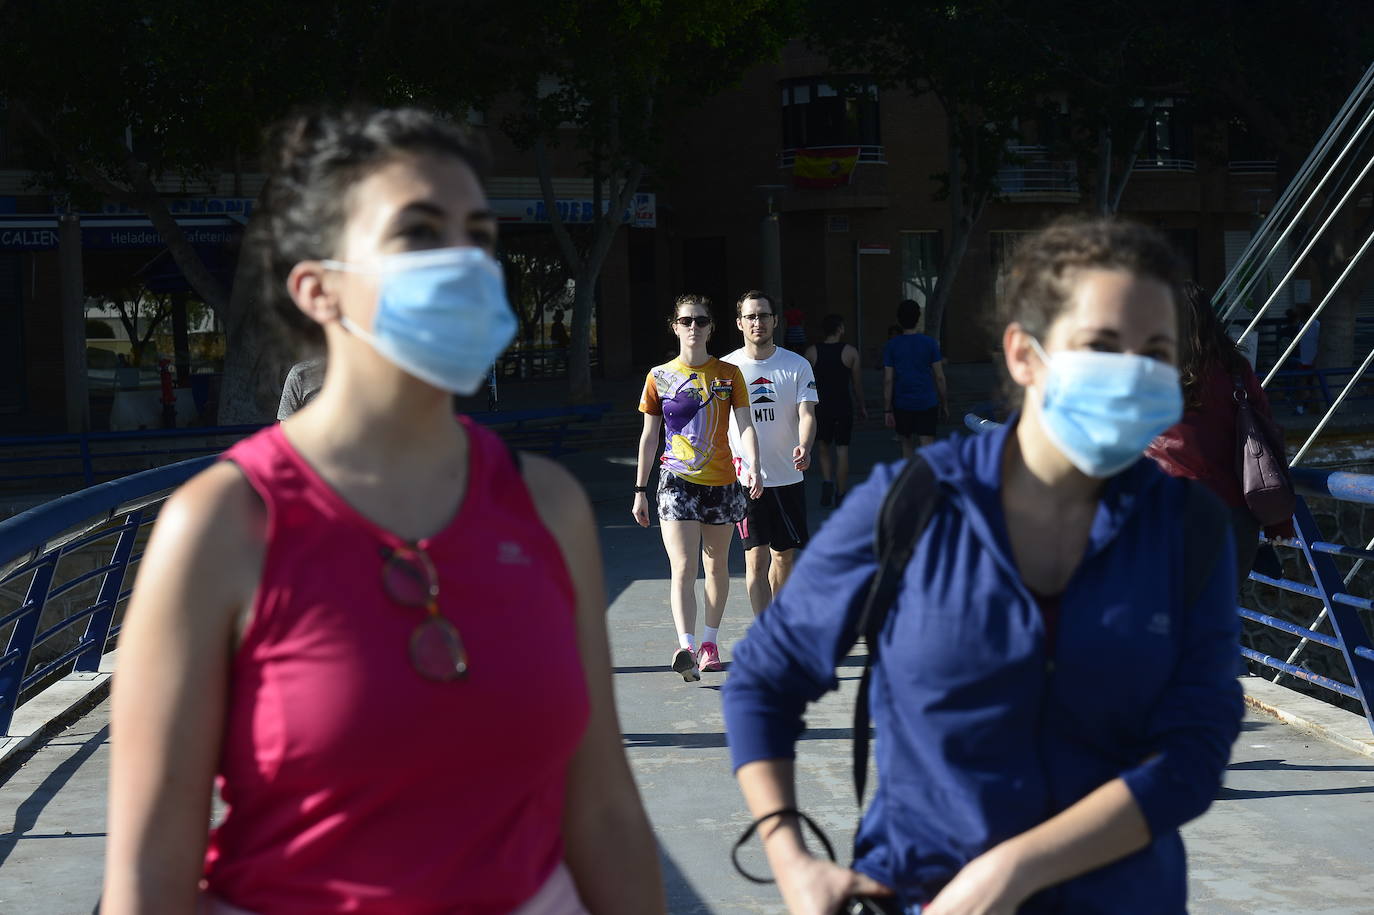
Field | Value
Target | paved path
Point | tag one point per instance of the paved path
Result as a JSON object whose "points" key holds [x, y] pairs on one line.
{"points": [[1291, 831]]}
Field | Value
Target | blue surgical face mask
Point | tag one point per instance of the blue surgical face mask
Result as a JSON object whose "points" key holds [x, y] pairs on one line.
{"points": [[442, 315], [1101, 410]]}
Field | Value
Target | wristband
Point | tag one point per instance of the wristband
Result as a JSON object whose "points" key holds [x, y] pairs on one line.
{"points": [[641, 489]]}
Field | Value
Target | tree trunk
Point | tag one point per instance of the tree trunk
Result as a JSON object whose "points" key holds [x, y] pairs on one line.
{"points": [[960, 233], [1104, 170], [965, 215], [585, 270], [256, 356], [579, 347]]}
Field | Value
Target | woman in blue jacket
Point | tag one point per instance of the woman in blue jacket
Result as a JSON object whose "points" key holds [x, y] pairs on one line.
{"points": [[1049, 711]]}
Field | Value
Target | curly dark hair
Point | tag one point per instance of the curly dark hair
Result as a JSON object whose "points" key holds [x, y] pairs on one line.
{"points": [[1204, 346], [313, 158], [1041, 273]]}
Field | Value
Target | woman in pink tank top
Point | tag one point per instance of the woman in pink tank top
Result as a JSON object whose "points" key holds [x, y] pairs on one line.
{"points": [[379, 636]]}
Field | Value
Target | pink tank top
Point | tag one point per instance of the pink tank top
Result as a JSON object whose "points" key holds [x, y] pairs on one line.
{"points": [[351, 782]]}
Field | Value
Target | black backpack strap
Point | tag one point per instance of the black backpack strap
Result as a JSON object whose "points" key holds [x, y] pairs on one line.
{"points": [[905, 511], [1205, 521]]}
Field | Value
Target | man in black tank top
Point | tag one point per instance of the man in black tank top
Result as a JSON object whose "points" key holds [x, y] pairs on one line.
{"points": [[840, 386]]}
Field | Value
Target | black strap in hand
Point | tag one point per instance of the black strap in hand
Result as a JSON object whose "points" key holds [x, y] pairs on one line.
{"points": [[753, 828]]}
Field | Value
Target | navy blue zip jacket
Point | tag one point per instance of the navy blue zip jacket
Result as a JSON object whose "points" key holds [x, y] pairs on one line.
{"points": [[982, 732]]}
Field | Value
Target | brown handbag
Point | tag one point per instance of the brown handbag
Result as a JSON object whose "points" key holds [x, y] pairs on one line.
{"points": [[1261, 466]]}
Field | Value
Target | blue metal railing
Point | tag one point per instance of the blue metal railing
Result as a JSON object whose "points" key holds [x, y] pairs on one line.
{"points": [[32, 547], [80, 460], [1341, 608], [83, 459], [1351, 634]]}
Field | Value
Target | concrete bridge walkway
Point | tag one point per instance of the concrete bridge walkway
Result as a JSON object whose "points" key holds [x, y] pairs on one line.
{"points": [[1291, 831]]}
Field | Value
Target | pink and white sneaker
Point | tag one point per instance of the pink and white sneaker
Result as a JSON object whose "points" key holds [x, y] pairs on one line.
{"points": [[708, 657]]}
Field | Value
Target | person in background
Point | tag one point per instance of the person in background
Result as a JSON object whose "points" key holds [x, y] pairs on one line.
{"points": [[558, 331], [1202, 445], [794, 337], [1054, 688], [302, 384], [380, 633], [914, 391], [839, 383], [1304, 358], [782, 395], [691, 399]]}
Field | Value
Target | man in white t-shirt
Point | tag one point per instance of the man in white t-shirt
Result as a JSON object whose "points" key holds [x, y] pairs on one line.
{"points": [[782, 397]]}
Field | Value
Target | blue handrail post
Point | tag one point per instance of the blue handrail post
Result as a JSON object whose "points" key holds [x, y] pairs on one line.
{"points": [[16, 659], [98, 626], [1344, 619], [87, 464]]}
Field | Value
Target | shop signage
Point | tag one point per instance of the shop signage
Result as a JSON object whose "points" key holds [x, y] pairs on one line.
{"points": [[101, 232], [641, 214]]}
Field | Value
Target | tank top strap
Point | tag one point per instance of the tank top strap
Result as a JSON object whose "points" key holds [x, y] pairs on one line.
{"points": [[271, 468], [496, 468]]}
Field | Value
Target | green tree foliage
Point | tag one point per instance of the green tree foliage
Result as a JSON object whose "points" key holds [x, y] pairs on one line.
{"points": [[618, 72], [985, 75], [128, 102]]}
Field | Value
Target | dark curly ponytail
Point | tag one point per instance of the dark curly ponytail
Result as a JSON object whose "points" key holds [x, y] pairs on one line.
{"points": [[312, 161]]}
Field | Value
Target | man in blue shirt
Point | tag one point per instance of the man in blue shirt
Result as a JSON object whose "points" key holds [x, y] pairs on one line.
{"points": [[914, 392]]}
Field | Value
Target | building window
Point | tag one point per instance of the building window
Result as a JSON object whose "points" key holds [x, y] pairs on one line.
{"points": [[921, 256], [1168, 142], [830, 111]]}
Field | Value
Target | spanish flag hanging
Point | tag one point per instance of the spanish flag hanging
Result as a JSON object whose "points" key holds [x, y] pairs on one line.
{"points": [[820, 168]]}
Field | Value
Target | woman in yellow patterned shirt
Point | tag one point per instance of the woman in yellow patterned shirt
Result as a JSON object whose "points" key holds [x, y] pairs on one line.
{"points": [[698, 496]]}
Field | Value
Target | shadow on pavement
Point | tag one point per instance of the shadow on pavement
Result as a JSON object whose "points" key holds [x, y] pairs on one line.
{"points": [[714, 741], [1243, 794], [1279, 765], [26, 815], [682, 896]]}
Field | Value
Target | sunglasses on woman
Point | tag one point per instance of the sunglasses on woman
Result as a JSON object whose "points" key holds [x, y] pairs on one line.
{"points": [[689, 320], [410, 579]]}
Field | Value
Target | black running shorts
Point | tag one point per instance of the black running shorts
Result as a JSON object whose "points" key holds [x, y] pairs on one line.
{"points": [[834, 425], [777, 519], [916, 422]]}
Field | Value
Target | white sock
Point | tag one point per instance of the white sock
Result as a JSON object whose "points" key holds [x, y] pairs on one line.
{"points": [[711, 635], [684, 639]]}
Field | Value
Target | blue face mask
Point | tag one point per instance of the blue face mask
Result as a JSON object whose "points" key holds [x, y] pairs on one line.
{"points": [[442, 315], [1101, 410]]}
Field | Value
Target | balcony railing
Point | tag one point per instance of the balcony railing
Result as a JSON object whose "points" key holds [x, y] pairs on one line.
{"points": [[1252, 166], [871, 154], [1033, 172], [1160, 164]]}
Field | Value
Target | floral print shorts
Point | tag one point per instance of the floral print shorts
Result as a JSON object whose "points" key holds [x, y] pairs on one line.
{"points": [[683, 500]]}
